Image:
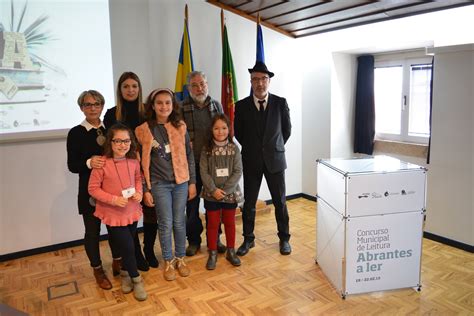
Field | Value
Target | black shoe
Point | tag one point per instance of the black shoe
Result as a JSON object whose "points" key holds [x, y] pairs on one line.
{"points": [[232, 257], [221, 248], [149, 237], [212, 260], [150, 257], [285, 248], [192, 249], [245, 247], [142, 264]]}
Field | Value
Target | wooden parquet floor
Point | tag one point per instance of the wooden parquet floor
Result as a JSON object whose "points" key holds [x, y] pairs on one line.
{"points": [[266, 283]]}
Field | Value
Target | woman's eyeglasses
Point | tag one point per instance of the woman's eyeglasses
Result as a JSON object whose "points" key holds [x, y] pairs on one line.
{"points": [[96, 105]]}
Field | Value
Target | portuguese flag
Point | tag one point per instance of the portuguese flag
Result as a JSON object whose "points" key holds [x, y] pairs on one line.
{"points": [[229, 84]]}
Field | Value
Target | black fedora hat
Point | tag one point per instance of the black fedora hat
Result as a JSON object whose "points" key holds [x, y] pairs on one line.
{"points": [[261, 67]]}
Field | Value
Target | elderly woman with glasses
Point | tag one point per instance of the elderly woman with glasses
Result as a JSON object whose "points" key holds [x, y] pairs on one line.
{"points": [[84, 153]]}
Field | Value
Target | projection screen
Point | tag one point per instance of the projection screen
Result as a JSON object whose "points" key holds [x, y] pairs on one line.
{"points": [[51, 51]]}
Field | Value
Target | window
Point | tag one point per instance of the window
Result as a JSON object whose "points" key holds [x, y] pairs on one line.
{"points": [[402, 100]]}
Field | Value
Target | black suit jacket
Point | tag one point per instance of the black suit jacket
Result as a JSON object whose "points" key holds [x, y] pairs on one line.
{"points": [[268, 148]]}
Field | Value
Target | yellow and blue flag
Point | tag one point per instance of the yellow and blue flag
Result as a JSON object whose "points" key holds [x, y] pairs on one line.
{"points": [[185, 64]]}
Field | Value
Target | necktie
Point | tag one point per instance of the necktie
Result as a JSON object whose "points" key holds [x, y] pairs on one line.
{"points": [[261, 108], [261, 114]]}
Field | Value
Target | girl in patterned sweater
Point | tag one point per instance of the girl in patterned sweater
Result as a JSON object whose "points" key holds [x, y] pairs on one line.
{"points": [[221, 170], [117, 187]]}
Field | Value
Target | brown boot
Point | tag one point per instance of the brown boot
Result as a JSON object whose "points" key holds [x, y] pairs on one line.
{"points": [[183, 269], [168, 271], [101, 278], [116, 266]]}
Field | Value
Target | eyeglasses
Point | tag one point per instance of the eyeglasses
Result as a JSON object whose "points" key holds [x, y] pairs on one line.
{"points": [[256, 79], [201, 85], [121, 141], [96, 105]]}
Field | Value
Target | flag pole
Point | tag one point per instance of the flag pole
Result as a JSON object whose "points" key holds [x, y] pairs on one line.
{"points": [[258, 18], [222, 26], [186, 12]]}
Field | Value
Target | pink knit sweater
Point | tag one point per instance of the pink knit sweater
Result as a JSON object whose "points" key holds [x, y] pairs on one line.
{"points": [[105, 186]]}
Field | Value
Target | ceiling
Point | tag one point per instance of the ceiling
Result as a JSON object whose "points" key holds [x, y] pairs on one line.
{"points": [[298, 18]]}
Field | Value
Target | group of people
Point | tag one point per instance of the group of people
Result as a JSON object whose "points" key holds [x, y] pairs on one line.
{"points": [[159, 158]]}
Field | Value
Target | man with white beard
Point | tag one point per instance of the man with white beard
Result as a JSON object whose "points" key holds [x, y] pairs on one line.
{"points": [[197, 111]]}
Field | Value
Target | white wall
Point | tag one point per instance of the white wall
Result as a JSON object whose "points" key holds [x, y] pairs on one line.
{"points": [[131, 45], [38, 196], [316, 114], [343, 81], [450, 204]]}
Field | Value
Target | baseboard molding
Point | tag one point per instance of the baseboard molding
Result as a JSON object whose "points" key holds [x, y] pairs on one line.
{"points": [[449, 242], [40, 250], [309, 197], [296, 196]]}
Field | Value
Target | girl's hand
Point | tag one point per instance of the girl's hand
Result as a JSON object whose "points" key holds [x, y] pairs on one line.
{"points": [[219, 194], [137, 197], [148, 199], [192, 191], [97, 162], [120, 201]]}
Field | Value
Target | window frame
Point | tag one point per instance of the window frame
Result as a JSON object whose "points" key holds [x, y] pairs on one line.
{"points": [[405, 63]]}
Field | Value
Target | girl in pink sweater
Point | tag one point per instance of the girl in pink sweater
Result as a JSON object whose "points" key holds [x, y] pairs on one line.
{"points": [[117, 188]]}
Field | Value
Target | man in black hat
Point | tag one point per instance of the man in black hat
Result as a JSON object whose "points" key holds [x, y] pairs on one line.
{"points": [[262, 126]]}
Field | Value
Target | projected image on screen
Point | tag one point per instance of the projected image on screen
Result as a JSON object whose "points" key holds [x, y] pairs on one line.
{"points": [[50, 51]]}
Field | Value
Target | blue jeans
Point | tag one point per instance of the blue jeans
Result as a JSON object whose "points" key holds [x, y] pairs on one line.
{"points": [[170, 202]]}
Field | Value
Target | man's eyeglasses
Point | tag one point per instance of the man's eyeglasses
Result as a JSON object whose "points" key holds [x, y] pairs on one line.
{"points": [[121, 141], [201, 85], [257, 79], [96, 105]]}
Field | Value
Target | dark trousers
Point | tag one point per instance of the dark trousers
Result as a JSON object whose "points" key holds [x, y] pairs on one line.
{"points": [[276, 185], [123, 237], [91, 240], [194, 226]]}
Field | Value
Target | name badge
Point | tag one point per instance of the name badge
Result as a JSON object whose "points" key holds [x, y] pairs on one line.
{"points": [[167, 148], [129, 192], [224, 172]]}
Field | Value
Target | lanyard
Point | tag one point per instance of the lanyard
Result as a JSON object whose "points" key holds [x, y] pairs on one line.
{"points": [[118, 174], [164, 136], [162, 147]]}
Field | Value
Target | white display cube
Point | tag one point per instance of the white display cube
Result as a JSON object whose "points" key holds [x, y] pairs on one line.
{"points": [[370, 223]]}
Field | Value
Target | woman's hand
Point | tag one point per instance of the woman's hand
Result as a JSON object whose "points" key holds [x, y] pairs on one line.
{"points": [[148, 199], [97, 162], [192, 191], [120, 201], [219, 194], [137, 197]]}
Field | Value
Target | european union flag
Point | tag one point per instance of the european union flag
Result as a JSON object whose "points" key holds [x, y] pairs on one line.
{"points": [[260, 50]]}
